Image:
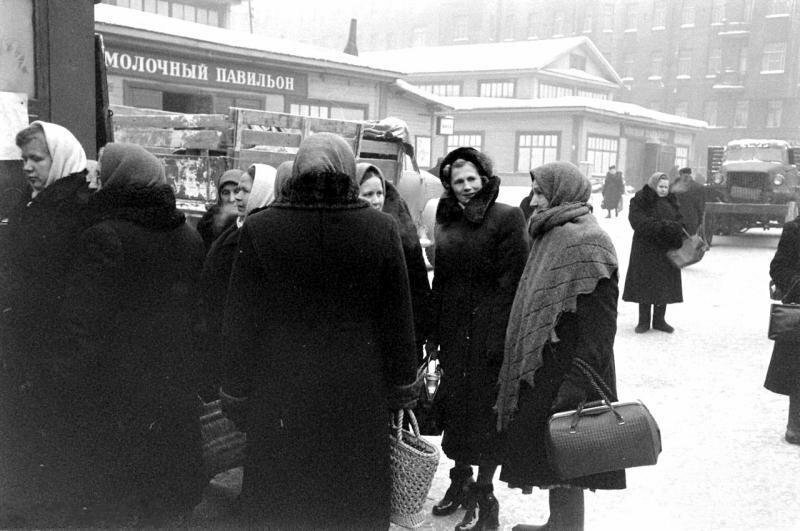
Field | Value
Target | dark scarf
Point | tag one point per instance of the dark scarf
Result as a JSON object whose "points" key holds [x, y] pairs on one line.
{"points": [[152, 207]]}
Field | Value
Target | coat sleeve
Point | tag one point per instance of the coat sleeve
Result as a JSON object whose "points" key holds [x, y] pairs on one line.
{"points": [[397, 326], [663, 233], [784, 269]]}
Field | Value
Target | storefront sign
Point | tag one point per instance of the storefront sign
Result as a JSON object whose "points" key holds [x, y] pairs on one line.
{"points": [[445, 125], [227, 75], [635, 131]]}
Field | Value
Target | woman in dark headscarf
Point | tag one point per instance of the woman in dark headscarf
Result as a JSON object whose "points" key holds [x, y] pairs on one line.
{"points": [[384, 197], [565, 308], [223, 213], [322, 346], [480, 253], [130, 311]]}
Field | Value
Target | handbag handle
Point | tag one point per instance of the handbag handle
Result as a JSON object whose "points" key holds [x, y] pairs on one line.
{"points": [[412, 423], [600, 387]]}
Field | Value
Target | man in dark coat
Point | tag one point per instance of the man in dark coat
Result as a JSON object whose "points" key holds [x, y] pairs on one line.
{"points": [[783, 375], [691, 200], [321, 348], [481, 248], [613, 189], [653, 280]]}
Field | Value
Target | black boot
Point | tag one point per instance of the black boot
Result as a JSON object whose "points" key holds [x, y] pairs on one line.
{"points": [[659, 311], [483, 510], [456, 495], [644, 319]]}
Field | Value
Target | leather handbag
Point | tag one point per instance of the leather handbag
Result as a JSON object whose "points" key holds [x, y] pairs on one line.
{"points": [[692, 250], [223, 444], [601, 436], [428, 411], [784, 322]]}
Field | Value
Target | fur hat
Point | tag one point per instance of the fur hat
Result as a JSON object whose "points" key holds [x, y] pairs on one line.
{"points": [[481, 161]]}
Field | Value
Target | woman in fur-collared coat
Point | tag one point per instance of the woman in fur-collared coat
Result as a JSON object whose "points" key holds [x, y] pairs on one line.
{"points": [[481, 248], [321, 348]]}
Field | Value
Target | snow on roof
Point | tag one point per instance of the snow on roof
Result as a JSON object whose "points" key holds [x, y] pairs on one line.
{"points": [[620, 108], [496, 56], [422, 94], [110, 15]]}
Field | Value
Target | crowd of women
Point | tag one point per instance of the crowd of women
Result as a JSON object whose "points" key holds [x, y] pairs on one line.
{"points": [[304, 304]]}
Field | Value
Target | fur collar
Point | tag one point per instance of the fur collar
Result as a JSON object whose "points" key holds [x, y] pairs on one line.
{"points": [[152, 207], [648, 197], [475, 211]]}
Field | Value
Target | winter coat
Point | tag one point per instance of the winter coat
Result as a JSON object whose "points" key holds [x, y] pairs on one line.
{"points": [[783, 374], [656, 222], [613, 189], [132, 304], [691, 204], [588, 333], [207, 228], [525, 206], [481, 251], [320, 311], [40, 445]]}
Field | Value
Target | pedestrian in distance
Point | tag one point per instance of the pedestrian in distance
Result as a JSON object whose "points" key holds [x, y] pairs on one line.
{"points": [[130, 311], [481, 249], [613, 190], [223, 213], [40, 445], [783, 374], [691, 200], [565, 308], [384, 197], [652, 280], [321, 349], [255, 189]]}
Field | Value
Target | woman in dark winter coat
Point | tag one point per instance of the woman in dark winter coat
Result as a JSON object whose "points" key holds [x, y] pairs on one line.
{"points": [[652, 280], [223, 213], [322, 346], [40, 445], [613, 190], [565, 308], [131, 306], [481, 249], [384, 197], [783, 375], [255, 189], [691, 200]]}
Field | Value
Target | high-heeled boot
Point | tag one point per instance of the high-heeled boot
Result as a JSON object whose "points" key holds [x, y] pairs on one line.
{"points": [[456, 495], [483, 510]]}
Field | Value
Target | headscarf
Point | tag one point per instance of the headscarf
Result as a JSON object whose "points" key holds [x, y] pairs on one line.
{"points": [[569, 255], [230, 176], [65, 150], [323, 174], [263, 191], [282, 176], [125, 165], [652, 182], [361, 173]]}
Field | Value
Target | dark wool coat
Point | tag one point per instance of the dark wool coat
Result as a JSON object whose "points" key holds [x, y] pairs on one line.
{"points": [[691, 204], [207, 229], [559, 386], [783, 375], [481, 252], [321, 335], [35, 421], [656, 222], [613, 189], [131, 307]]}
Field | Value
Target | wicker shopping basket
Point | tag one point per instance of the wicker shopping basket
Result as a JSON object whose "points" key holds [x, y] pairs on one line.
{"points": [[223, 444], [413, 461]]}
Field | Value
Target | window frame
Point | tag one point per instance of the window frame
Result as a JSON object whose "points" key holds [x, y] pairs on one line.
{"points": [[778, 56], [600, 165], [330, 104], [772, 111], [741, 109], [433, 88], [501, 84], [447, 144], [518, 147]]}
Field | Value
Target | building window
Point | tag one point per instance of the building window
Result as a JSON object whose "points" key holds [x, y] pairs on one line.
{"points": [[742, 61], [779, 7], [687, 14], [608, 17], [684, 63], [631, 17], [710, 113], [628, 64], [418, 37], [714, 61], [315, 111], [682, 156], [738, 10], [774, 113], [601, 152], [496, 89], [181, 10], [718, 12], [682, 109], [558, 23], [656, 65], [740, 114], [441, 89], [577, 61], [535, 149], [774, 58], [533, 19], [508, 27], [474, 140], [586, 93], [547, 90], [461, 28], [659, 14], [588, 22]]}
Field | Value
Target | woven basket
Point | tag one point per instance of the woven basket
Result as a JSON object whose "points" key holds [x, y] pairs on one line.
{"points": [[413, 462], [223, 444]]}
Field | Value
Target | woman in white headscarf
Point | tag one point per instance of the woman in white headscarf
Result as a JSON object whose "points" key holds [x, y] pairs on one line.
{"points": [[43, 232], [256, 189]]}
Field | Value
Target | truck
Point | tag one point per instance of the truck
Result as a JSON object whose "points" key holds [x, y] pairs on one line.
{"points": [[751, 183]]}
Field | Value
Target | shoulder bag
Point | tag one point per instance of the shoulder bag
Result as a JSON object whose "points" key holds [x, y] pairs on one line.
{"points": [[429, 409], [602, 437], [784, 317], [692, 250]]}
